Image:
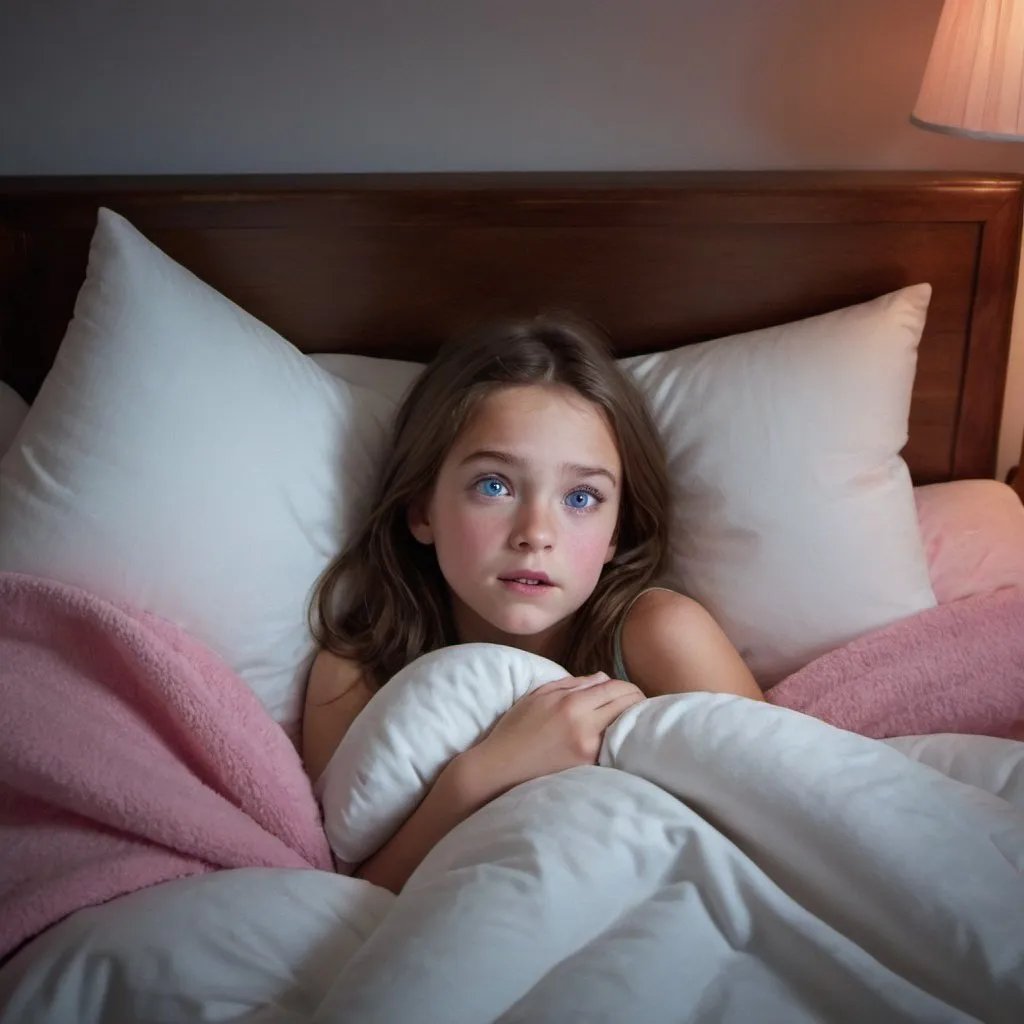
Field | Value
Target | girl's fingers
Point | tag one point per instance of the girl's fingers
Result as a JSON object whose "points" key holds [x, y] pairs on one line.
{"points": [[588, 682], [607, 713], [600, 694], [572, 683]]}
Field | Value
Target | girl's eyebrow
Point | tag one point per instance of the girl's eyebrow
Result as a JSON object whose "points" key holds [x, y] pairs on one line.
{"points": [[573, 468]]}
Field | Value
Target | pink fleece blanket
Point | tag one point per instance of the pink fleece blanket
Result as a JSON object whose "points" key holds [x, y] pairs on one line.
{"points": [[955, 668], [130, 755]]}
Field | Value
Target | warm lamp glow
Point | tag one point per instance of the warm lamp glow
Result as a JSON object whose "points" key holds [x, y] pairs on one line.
{"points": [[974, 82]]}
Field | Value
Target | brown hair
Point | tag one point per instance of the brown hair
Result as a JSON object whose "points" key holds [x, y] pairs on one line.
{"points": [[398, 604]]}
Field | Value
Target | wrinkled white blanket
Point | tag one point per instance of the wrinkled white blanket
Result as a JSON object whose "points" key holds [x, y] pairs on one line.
{"points": [[727, 862]]}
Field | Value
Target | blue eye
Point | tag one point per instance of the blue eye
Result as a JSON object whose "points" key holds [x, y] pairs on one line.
{"points": [[581, 499], [492, 487]]}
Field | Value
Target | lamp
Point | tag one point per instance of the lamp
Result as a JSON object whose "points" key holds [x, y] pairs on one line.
{"points": [[973, 84]]}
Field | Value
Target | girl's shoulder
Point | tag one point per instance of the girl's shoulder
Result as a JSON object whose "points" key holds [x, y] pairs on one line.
{"points": [[332, 675], [650, 612], [337, 690], [669, 643], [638, 615], [661, 596], [657, 608]]}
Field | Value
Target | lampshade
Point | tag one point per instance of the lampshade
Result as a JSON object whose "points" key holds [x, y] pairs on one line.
{"points": [[974, 82]]}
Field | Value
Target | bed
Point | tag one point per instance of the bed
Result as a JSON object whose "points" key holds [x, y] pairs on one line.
{"points": [[661, 884]]}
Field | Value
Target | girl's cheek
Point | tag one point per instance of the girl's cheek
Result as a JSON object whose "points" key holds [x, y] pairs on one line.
{"points": [[589, 547], [469, 530], [477, 537]]}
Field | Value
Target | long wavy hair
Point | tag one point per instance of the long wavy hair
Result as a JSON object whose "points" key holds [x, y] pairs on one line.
{"points": [[383, 601]]}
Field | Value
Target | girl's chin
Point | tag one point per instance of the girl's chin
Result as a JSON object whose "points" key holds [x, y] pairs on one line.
{"points": [[522, 628], [514, 624]]}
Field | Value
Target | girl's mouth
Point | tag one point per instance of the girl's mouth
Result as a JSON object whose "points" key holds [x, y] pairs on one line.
{"points": [[530, 582]]}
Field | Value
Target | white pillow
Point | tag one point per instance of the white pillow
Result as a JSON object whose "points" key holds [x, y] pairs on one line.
{"points": [[794, 516], [389, 378], [184, 458], [13, 410], [434, 708], [795, 522]]}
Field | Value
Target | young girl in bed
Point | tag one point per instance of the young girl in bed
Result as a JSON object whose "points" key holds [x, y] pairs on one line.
{"points": [[524, 502]]}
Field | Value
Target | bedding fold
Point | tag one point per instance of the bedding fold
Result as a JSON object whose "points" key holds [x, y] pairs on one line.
{"points": [[130, 755]]}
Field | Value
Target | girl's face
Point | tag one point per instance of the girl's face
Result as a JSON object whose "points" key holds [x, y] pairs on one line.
{"points": [[523, 515]]}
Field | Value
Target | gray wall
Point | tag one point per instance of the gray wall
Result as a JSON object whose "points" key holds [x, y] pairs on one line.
{"points": [[142, 86]]}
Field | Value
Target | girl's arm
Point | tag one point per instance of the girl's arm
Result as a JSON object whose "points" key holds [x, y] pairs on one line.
{"points": [[336, 692], [671, 644]]}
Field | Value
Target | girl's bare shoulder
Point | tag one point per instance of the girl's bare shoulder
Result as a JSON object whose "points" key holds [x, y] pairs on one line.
{"points": [[332, 676], [672, 644], [337, 690]]}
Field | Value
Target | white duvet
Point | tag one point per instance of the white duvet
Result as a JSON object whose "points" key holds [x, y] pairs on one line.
{"points": [[727, 862]]}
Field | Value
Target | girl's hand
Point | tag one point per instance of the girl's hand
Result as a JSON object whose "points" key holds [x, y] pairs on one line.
{"points": [[557, 726]]}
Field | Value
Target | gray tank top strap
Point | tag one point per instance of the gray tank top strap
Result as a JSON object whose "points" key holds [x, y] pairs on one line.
{"points": [[618, 662]]}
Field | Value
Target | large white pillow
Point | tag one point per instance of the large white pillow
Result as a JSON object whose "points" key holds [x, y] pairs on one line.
{"points": [[184, 458], [794, 517], [389, 378], [795, 522], [436, 707]]}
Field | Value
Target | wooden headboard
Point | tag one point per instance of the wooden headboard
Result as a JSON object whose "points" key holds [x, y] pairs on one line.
{"points": [[390, 264]]}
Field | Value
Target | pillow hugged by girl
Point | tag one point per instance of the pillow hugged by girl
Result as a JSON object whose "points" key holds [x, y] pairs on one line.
{"points": [[524, 501]]}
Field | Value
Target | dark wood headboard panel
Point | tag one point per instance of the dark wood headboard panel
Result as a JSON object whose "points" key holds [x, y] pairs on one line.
{"points": [[390, 264]]}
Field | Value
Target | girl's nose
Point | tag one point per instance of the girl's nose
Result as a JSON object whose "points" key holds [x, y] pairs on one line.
{"points": [[534, 529]]}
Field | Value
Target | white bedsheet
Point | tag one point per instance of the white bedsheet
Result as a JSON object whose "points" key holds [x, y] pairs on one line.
{"points": [[727, 862]]}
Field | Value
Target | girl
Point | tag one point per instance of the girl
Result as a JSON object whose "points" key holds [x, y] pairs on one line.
{"points": [[524, 502]]}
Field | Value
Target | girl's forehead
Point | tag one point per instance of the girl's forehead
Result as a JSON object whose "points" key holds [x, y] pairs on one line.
{"points": [[538, 415]]}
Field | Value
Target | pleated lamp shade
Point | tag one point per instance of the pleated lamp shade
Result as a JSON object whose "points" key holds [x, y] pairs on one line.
{"points": [[974, 82]]}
